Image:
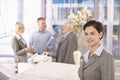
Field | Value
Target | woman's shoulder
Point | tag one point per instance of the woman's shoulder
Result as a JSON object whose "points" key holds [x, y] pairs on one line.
{"points": [[14, 37], [14, 40], [106, 54]]}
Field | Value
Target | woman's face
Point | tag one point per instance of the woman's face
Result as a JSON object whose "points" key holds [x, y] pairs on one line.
{"points": [[21, 30], [92, 36]]}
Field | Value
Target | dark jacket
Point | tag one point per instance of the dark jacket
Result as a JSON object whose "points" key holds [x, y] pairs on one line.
{"points": [[19, 45], [66, 47], [98, 68]]}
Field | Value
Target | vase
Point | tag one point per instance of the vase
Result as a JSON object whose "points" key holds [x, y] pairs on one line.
{"points": [[82, 44]]}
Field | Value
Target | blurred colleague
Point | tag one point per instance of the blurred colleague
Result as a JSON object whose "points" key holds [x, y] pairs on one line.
{"points": [[41, 40], [56, 35], [97, 63], [19, 45], [67, 44]]}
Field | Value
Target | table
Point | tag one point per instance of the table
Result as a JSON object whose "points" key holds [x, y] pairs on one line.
{"points": [[48, 71], [22, 67]]}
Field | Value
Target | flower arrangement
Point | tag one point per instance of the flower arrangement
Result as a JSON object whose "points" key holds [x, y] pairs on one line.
{"points": [[83, 15]]}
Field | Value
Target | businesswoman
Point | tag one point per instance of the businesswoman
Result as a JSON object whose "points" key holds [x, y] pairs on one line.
{"points": [[19, 45], [97, 63]]}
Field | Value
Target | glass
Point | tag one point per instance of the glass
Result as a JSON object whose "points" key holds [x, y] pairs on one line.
{"points": [[12, 11], [62, 9], [116, 26], [116, 30]]}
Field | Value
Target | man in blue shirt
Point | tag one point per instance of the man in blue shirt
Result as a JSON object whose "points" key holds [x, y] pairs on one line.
{"points": [[41, 40]]}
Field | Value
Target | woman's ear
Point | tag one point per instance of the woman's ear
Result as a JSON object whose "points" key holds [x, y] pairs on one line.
{"points": [[101, 35]]}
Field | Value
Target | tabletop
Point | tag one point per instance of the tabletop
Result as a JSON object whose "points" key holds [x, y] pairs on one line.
{"points": [[47, 71]]}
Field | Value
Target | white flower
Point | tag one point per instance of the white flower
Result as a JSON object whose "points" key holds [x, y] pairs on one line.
{"points": [[79, 19]]}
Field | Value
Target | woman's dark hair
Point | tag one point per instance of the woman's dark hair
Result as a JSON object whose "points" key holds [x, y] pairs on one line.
{"points": [[96, 24]]}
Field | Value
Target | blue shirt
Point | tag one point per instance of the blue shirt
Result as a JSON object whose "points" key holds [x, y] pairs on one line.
{"points": [[40, 41], [97, 52]]}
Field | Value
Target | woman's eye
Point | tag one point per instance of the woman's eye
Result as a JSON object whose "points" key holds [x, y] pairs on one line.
{"points": [[92, 33], [86, 34]]}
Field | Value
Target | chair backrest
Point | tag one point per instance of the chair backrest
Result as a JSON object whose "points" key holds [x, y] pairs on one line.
{"points": [[77, 56]]}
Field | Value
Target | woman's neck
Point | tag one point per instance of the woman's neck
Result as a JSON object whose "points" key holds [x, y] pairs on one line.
{"points": [[93, 48]]}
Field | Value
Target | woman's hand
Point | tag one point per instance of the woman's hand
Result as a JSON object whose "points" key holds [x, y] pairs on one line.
{"points": [[30, 48]]}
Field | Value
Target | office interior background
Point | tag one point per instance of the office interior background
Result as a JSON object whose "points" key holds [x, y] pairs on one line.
{"points": [[56, 12]]}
